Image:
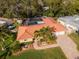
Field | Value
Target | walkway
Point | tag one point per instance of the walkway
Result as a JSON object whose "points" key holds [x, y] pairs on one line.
{"points": [[43, 47], [68, 47]]}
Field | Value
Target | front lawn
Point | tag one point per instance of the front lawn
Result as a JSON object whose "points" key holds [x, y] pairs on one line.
{"points": [[75, 38], [53, 53]]}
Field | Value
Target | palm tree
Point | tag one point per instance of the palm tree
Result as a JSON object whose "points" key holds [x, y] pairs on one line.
{"points": [[44, 34], [10, 49], [7, 42]]}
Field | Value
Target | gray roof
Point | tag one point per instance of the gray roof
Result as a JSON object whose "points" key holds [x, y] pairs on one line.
{"points": [[72, 20]]}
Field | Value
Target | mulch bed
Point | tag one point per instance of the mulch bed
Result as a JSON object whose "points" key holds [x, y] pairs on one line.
{"points": [[23, 50]]}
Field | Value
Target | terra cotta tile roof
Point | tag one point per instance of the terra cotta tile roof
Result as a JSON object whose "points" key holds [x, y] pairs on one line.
{"points": [[25, 32]]}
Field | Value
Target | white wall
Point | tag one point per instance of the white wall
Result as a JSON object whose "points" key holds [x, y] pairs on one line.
{"points": [[2, 22], [61, 22], [68, 26], [72, 27], [26, 40], [60, 33]]}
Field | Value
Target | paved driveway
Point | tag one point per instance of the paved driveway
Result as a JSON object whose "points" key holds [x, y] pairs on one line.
{"points": [[68, 47]]}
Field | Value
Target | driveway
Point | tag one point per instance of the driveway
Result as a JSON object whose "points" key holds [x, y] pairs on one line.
{"points": [[68, 47]]}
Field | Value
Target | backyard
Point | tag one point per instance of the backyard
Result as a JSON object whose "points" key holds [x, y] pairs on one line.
{"points": [[75, 38], [53, 53]]}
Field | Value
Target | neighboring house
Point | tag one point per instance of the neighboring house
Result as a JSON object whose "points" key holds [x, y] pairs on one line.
{"points": [[70, 22], [26, 32], [2, 21], [5, 20]]}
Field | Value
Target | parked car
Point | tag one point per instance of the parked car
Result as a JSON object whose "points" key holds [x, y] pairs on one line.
{"points": [[10, 26]]}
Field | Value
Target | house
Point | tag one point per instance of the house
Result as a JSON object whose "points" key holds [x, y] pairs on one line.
{"points": [[26, 31], [2, 21], [5, 20], [70, 22]]}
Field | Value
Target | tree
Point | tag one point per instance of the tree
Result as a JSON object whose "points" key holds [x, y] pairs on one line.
{"points": [[19, 8], [32, 8], [44, 34], [7, 42]]}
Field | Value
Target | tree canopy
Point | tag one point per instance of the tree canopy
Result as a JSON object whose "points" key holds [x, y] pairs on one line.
{"points": [[31, 8], [44, 34], [8, 44]]}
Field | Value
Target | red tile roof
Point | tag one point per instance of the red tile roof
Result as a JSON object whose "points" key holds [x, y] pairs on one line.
{"points": [[25, 32]]}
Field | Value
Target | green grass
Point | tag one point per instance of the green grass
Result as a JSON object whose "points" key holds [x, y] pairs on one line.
{"points": [[75, 38], [53, 53]]}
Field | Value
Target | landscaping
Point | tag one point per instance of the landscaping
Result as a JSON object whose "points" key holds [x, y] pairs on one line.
{"points": [[53, 53], [75, 38], [45, 35]]}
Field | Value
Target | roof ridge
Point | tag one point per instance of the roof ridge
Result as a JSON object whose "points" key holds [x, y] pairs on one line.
{"points": [[28, 33], [24, 33]]}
